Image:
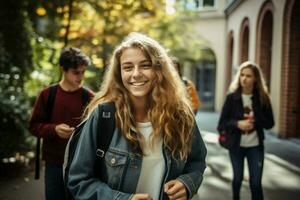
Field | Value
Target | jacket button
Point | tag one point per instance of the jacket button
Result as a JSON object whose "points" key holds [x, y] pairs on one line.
{"points": [[113, 161]]}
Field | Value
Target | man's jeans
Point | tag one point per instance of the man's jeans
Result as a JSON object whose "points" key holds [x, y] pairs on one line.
{"points": [[255, 159], [54, 184]]}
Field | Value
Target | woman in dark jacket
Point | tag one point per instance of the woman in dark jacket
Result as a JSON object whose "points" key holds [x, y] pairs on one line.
{"points": [[246, 112]]}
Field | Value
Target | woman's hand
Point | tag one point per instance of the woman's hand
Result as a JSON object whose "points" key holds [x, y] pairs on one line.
{"points": [[175, 190], [245, 125], [141, 197]]}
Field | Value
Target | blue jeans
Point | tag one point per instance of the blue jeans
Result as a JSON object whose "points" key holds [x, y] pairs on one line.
{"points": [[255, 159], [54, 183]]}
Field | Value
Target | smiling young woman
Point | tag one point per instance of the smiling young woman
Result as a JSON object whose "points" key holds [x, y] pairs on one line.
{"points": [[156, 151]]}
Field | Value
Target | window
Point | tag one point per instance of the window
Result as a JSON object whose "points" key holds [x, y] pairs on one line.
{"points": [[208, 3], [198, 4]]}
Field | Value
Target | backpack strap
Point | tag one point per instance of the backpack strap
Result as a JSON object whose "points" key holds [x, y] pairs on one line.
{"points": [[106, 131], [52, 95], [85, 96], [49, 109], [107, 127], [51, 100], [37, 158]]}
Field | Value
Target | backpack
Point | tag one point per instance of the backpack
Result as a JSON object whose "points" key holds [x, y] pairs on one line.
{"points": [[49, 108], [106, 126]]}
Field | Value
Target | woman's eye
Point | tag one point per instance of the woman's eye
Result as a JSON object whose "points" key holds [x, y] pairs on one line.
{"points": [[146, 65], [127, 68]]}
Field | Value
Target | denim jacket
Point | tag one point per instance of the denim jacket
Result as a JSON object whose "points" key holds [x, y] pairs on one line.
{"points": [[122, 166]]}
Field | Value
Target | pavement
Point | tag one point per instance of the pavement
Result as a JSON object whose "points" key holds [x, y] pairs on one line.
{"points": [[281, 178], [23, 186]]}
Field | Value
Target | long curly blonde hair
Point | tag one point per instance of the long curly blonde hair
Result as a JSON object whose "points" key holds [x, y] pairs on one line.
{"points": [[168, 107], [259, 85]]}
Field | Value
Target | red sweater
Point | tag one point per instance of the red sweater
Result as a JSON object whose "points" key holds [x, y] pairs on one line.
{"points": [[67, 108]]}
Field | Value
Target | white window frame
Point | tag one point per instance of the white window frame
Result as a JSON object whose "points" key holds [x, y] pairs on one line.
{"points": [[200, 7]]}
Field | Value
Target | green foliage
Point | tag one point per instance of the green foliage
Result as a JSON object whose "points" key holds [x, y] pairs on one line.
{"points": [[15, 63], [14, 111], [45, 69], [32, 34], [97, 27], [93, 78], [15, 29], [46, 16]]}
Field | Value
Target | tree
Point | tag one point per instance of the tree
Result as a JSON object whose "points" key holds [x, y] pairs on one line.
{"points": [[34, 32], [15, 30], [98, 26], [15, 64]]}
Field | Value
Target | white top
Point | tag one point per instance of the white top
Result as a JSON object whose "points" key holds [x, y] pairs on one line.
{"points": [[153, 165], [250, 139]]}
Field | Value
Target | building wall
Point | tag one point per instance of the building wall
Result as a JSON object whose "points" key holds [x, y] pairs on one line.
{"points": [[290, 96], [277, 61], [211, 27]]}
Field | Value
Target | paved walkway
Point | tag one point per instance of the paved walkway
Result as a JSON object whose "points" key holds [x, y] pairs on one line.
{"points": [[281, 177], [23, 187]]}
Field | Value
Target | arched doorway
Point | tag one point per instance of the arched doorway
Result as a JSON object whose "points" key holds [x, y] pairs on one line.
{"points": [[264, 40], [244, 41], [291, 71], [230, 43], [206, 78]]}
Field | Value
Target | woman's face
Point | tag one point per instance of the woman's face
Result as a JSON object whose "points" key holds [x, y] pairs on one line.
{"points": [[137, 73], [247, 78]]}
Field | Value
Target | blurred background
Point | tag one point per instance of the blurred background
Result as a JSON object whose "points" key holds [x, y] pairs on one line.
{"points": [[34, 32], [210, 37]]}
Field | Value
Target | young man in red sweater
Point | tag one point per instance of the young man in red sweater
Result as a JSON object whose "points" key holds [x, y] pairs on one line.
{"points": [[65, 115]]}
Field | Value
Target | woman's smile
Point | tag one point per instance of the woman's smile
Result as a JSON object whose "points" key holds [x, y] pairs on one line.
{"points": [[137, 73]]}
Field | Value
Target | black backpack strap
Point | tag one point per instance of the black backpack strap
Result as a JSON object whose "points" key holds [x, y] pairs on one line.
{"points": [[49, 108], [85, 96], [106, 126], [106, 130], [37, 158], [51, 100]]}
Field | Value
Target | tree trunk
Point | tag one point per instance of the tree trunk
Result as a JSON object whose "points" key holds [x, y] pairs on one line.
{"points": [[66, 40]]}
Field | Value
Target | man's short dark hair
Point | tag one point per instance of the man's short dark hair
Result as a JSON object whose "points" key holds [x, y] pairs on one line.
{"points": [[72, 57]]}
